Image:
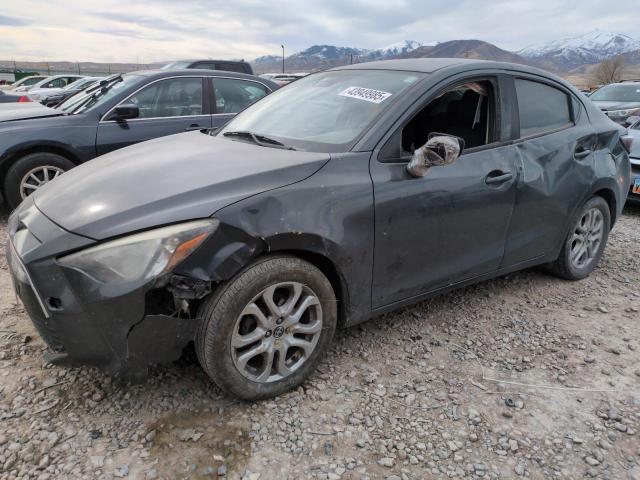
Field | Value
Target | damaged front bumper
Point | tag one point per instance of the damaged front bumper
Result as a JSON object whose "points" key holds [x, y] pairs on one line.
{"points": [[121, 331]]}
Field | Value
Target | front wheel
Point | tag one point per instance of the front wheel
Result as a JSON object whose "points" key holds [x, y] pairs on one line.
{"points": [[585, 242], [264, 331], [31, 172]]}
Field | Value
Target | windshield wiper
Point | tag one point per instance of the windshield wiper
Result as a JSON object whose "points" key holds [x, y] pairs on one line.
{"points": [[91, 93], [105, 82], [258, 139]]}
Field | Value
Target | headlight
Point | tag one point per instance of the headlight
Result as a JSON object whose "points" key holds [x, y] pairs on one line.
{"points": [[142, 256]]}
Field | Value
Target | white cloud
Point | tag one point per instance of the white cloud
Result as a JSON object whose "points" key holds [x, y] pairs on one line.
{"points": [[156, 30]]}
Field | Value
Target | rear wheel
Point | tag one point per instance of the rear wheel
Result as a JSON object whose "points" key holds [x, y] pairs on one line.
{"points": [[30, 172], [264, 331], [585, 242]]}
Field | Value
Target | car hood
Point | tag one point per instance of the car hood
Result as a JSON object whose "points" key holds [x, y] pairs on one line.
{"points": [[25, 111], [167, 180], [605, 106]]}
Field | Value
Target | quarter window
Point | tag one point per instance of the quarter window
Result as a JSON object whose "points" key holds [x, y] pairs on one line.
{"points": [[175, 97], [234, 95], [542, 108]]}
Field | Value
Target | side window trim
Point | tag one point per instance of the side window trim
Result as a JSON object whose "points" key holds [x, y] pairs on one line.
{"points": [[121, 102], [516, 119], [492, 77]]}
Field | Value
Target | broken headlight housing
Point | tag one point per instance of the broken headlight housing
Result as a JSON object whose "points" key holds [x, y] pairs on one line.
{"points": [[142, 256]]}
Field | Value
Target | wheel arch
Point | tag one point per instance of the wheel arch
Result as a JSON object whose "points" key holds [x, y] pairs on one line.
{"points": [[610, 197], [231, 249], [18, 151]]}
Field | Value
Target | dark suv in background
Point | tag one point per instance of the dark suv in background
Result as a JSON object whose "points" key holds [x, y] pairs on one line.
{"points": [[238, 66]]}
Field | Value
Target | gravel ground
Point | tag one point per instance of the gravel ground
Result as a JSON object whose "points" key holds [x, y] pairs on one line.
{"points": [[526, 375]]}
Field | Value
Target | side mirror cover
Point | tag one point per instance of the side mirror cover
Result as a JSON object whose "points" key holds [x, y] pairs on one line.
{"points": [[440, 150], [126, 111]]}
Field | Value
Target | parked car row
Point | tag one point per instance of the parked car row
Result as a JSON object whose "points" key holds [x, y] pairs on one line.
{"points": [[26, 81], [38, 143], [21, 92], [345, 195]]}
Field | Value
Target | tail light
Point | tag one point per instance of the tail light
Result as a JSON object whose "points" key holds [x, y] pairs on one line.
{"points": [[627, 141], [23, 99]]}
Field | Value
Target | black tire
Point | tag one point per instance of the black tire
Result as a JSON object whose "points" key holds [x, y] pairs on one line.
{"points": [[563, 267], [222, 308], [25, 164]]}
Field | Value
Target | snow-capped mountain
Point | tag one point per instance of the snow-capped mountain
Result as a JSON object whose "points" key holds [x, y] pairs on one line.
{"points": [[267, 59], [395, 49], [571, 52], [328, 52], [318, 57]]}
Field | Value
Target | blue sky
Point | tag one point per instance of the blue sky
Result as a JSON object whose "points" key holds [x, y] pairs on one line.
{"points": [[157, 30]]}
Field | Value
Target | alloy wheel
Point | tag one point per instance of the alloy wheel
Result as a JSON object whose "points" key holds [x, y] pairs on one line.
{"points": [[36, 177], [277, 332], [587, 238]]}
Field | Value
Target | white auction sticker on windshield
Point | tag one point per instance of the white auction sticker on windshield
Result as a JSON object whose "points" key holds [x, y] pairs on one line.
{"points": [[367, 94]]}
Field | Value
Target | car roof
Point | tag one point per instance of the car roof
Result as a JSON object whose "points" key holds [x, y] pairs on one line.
{"points": [[431, 65], [190, 72], [192, 60]]}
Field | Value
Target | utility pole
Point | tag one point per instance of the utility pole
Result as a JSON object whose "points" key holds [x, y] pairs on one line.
{"points": [[48, 69], [282, 58]]}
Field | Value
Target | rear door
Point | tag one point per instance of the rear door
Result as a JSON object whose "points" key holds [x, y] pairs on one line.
{"points": [[167, 106], [232, 95], [555, 143]]}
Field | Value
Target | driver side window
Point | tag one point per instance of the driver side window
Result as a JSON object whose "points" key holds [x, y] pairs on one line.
{"points": [[466, 110], [174, 97]]}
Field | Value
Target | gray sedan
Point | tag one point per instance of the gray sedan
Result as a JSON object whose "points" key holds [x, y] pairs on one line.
{"points": [[349, 193]]}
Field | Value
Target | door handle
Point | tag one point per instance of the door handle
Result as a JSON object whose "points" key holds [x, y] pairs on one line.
{"points": [[498, 176], [193, 126], [582, 153]]}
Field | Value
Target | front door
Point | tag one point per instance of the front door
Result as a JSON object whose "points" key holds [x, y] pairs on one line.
{"points": [[167, 106], [451, 224]]}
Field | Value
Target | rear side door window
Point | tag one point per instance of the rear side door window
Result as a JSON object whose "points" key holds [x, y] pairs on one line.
{"points": [[231, 67], [541, 108], [56, 83], [234, 95], [174, 97], [205, 66]]}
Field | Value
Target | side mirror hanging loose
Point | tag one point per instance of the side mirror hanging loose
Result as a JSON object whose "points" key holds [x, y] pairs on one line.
{"points": [[439, 150]]}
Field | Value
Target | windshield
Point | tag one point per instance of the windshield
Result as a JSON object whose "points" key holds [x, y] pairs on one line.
{"points": [[80, 83], [617, 93], [324, 112], [27, 81], [88, 100]]}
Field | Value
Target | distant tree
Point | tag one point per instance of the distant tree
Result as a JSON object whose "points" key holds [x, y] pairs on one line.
{"points": [[609, 70]]}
